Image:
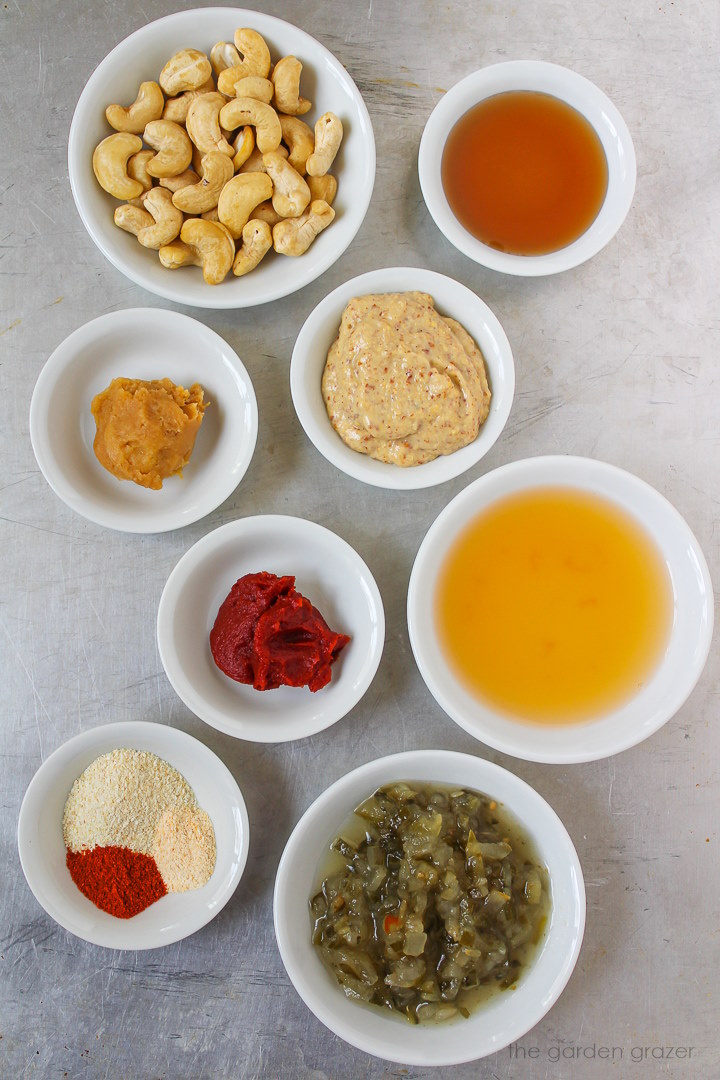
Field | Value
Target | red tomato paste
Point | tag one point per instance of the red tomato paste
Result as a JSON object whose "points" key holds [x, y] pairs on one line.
{"points": [[267, 634]]}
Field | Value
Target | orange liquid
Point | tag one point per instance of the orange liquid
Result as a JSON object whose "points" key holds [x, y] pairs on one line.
{"points": [[524, 172], [553, 606]]}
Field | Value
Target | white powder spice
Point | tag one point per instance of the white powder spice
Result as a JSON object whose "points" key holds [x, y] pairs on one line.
{"points": [[119, 799], [184, 848]]}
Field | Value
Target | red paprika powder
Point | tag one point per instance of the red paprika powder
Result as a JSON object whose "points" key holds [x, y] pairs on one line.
{"points": [[116, 879]]}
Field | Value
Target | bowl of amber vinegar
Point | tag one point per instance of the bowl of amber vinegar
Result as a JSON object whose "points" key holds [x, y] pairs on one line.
{"points": [[527, 168], [560, 609]]}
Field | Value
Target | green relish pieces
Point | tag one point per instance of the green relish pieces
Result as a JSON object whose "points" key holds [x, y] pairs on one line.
{"points": [[432, 900]]}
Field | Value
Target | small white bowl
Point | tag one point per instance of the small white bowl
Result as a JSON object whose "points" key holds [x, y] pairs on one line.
{"points": [[142, 343], [42, 849], [328, 572], [507, 1016], [582, 95], [324, 81], [678, 670], [320, 330]]}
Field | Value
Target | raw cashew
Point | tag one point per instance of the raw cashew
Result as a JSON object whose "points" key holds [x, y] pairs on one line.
{"points": [[176, 109], [178, 254], [226, 80], [186, 70], [182, 180], [323, 187], [253, 86], [147, 106], [254, 162], [173, 146], [253, 51], [168, 219], [212, 244], [256, 242], [262, 117], [211, 215], [265, 211], [291, 194], [286, 80], [199, 198], [299, 139], [294, 236], [110, 165], [224, 55], [243, 146], [197, 156], [132, 218], [203, 125], [239, 198], [253, 59], [137, 168], [328, 136]]}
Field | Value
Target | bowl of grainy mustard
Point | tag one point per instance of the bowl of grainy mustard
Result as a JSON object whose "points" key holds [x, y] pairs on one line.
{"points": [[402, 378], [133, 835]]}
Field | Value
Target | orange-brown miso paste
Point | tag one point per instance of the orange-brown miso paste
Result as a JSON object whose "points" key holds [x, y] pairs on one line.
{"points": [[524, 172], [146, 429]]}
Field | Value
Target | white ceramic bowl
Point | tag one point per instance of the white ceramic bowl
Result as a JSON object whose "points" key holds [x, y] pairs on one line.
{"points": [[507, 1016], [141, 56], [328, 572], [583, 96], [142, 343], [320, 330], [679, 668], [42, 850]]}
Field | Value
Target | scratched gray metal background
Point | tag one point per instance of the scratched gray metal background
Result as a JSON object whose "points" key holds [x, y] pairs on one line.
{"points": [[617, 359]]}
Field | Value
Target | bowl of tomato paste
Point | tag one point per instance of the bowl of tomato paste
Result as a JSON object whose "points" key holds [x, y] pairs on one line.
{"points": [[271, 628]]}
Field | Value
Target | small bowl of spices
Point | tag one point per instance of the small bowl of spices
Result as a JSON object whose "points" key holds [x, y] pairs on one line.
{"points": [[133, 835], [527, 168]]}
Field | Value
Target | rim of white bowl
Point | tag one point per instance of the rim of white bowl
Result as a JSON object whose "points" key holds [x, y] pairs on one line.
{"points": [[308, 360], [577, 91], [661, 697], [321, 823], [124, 519], [123, 933], [213, 297], [192, 561]]}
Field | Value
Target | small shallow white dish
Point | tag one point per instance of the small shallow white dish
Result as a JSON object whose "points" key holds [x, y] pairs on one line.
{"points": [[507, 1016], [582, 95], [678, 669], [42, 850], [324, 81], [320, 330], [328, 571], [142, 343]]}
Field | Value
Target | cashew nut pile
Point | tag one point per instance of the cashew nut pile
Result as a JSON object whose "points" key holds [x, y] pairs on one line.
{"points": [[232, 171]]}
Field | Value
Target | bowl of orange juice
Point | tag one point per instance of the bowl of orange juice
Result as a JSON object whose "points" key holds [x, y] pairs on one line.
{"points": [[560, 609], [527, 167]]}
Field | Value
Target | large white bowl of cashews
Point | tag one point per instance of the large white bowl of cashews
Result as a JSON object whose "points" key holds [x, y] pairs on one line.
{"points": [[206, 248]]}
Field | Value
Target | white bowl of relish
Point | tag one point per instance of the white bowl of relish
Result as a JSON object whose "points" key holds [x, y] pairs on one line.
{"points": [[527, 168], [502, 1018]]}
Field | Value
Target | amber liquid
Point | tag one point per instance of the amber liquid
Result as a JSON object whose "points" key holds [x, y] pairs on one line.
{"points": [[554, 606], [524, 172]]}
